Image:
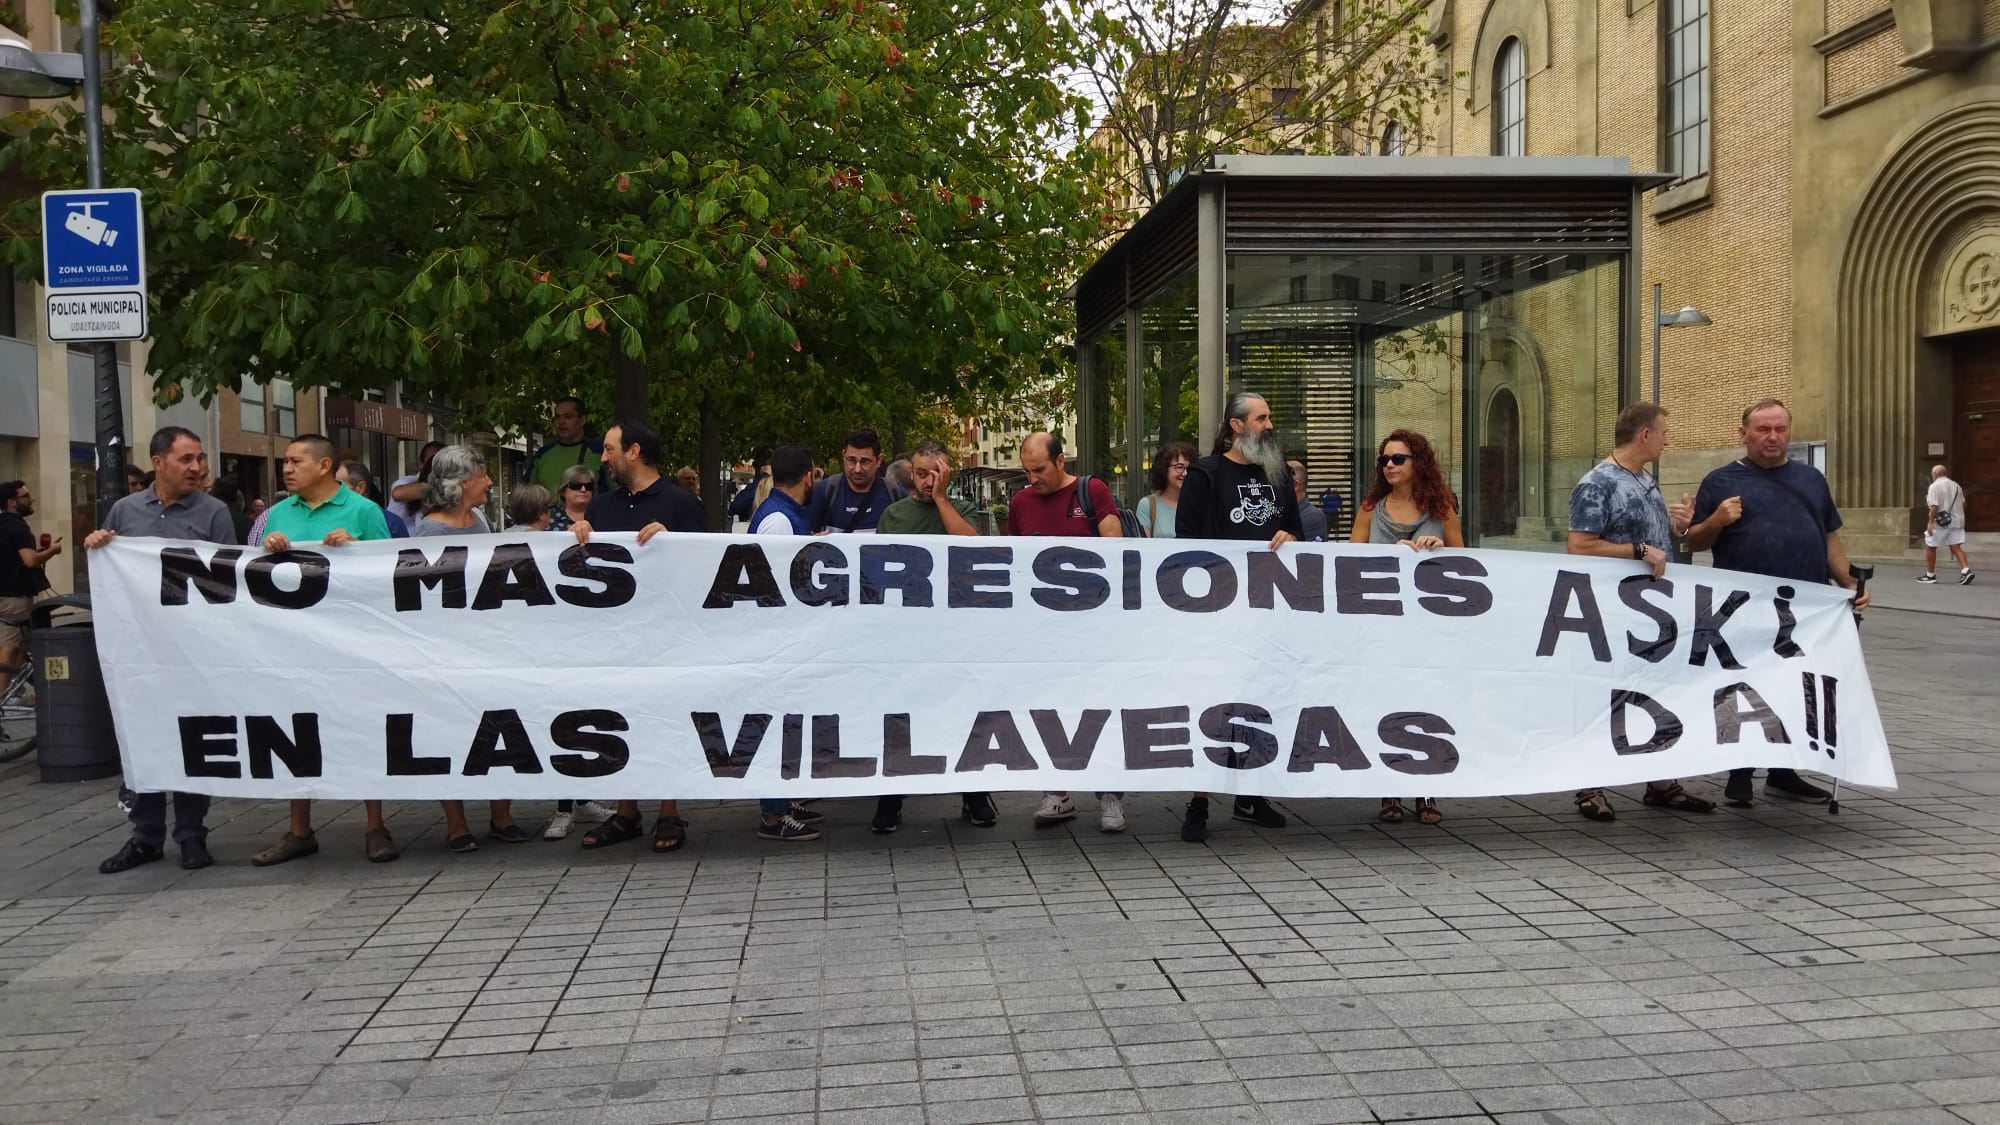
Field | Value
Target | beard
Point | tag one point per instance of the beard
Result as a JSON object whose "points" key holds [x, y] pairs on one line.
{"points": [[1263, 451]]}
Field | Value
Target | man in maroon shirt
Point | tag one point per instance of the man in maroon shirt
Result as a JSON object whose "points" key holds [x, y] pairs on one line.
{"points": [[1049, 506]]}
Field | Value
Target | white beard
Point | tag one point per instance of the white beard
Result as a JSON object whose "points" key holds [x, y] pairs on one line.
{"points": [[1263, 451]]}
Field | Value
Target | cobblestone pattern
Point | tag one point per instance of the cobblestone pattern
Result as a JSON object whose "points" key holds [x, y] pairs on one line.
{"points": [[1514, 964]]}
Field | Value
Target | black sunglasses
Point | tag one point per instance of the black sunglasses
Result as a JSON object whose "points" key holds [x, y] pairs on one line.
{"points": [[1392, 459], [581, 486]]}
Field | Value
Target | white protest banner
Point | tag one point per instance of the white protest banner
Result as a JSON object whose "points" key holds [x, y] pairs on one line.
{"points": [[706, 666]]}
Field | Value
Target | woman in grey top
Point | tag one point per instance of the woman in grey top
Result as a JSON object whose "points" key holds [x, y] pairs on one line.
{"points": [[1410, 505], [453, 493]]}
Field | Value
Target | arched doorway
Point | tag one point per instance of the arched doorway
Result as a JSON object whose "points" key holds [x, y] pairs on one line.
{"points": [[1500, 466]]}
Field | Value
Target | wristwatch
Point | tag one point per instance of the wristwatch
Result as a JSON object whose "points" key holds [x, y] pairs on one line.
{"points": [[1639, 551]]}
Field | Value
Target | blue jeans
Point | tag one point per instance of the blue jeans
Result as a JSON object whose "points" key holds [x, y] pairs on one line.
{"points": [[149, 817], [774, 806]]}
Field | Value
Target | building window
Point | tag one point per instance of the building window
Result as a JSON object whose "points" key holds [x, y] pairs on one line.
{"points": [[1686, 92], [1392, 139], [253, 407], [1284, 99], [7, 326], [1297, 290], [286, 401], [1510, 100]]}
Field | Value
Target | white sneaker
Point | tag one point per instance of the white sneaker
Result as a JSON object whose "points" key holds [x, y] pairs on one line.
{"points": [[559, 826], [1056, 808], [1111, 818], [592, 811]]}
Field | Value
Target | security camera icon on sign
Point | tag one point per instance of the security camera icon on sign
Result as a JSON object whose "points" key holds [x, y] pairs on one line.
{"points": [[81, 223]]}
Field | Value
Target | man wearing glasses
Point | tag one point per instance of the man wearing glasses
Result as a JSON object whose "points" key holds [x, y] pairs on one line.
{"points": [[573, 448]]}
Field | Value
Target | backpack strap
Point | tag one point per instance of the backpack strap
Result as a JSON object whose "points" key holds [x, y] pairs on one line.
{"points": [[1083, 501]]}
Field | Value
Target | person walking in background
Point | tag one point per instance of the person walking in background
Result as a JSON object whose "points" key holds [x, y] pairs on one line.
{"points": [[1242, 490], [453, 494], [323, 510], [1311, 519], [170, 508], [1768, 514], [1169, 472], [406, 494], [1409, 505], [1616, 512], [1945, 526], [22, 577]]}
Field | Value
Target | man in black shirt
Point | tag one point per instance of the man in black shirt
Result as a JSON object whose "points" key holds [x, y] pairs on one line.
{"points": [[1241, 490], [21, 576], [1767, 514], [648, 503]]}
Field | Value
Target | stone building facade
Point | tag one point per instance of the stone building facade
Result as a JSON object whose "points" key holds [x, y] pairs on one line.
{"points": [[1835, 211]]}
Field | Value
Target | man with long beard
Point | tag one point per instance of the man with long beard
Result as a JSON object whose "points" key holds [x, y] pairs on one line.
{"points": [[1241, 490]]}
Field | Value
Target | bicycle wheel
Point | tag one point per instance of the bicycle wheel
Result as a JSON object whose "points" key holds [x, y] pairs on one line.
{"points": [[17, 721]]}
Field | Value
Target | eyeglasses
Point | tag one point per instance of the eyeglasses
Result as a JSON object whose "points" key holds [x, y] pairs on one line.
{"points": [[1392, 459], [581, 486]]}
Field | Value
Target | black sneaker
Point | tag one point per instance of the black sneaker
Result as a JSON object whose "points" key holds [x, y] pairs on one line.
{"points": [[1789, 783], [888, 816], [805, 815], [1965, 578], [194, 855], [980, 811], [133, 854], [1194, 826], [1739, 792], [1257, 811]]}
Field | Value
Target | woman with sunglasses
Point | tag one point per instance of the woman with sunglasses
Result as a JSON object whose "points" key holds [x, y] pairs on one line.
{"points": [[1409, 505], [579, 484]]}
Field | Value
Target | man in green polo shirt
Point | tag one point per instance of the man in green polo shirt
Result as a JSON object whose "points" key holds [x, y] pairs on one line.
{"points": [[321, 509], [927, 510]]}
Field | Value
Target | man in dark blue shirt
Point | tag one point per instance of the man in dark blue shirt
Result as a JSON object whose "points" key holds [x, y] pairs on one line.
{"points": [[1767, 514], [855, 499]]}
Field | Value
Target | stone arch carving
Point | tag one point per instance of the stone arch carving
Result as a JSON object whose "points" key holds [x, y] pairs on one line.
{"points": [[1939, 177], [1526, 20]]}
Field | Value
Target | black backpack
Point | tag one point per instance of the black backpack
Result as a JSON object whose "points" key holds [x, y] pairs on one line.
{"points": [[1128, 520]]}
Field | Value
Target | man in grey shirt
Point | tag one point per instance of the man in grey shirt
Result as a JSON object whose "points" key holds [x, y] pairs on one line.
{"points": [[173, 508], [1617, 512], [1311, 516]]}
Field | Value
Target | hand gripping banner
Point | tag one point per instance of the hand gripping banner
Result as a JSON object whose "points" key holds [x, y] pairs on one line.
{"points": [[527, 665]]}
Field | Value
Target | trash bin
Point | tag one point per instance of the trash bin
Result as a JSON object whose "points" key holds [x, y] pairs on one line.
{"points": [[74, 736]]}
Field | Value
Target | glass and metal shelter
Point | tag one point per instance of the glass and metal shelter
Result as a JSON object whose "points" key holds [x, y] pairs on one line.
{"points": [[1488, 303]]}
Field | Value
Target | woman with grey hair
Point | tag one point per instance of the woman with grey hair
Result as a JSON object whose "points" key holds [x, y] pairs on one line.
{"points": [[579, 488], [453, 493]]}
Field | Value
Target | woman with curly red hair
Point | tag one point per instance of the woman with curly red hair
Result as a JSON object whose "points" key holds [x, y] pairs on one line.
{"points": [[1411, 505]]}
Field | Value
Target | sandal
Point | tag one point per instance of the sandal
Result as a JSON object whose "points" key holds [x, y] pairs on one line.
{"points": [[1427, 810], [511, 834], [1594, 805], [613, 829], [1674, 797], [1392, 811], [669, 835], [462, 843]]}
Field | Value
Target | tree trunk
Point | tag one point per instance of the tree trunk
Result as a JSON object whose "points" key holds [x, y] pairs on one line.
{"points": [[708, 463], [630, 382]]}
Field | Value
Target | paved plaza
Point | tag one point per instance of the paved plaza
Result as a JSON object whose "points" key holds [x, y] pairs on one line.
{"points": [[1515, 964]]}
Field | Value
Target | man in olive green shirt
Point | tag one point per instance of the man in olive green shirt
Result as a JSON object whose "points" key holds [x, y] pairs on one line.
{"points": [[921, 513], [929, 510], [573, 447]]}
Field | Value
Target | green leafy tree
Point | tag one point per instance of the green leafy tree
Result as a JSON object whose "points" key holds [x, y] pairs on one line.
{"points": [[715, 209]]}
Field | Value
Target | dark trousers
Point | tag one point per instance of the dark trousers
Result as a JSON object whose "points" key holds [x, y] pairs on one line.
{"points": [[149, 817]]}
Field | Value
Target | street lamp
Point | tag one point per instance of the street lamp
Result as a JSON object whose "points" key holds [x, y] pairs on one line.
{"points": [[28, 73], [1689, 316]]}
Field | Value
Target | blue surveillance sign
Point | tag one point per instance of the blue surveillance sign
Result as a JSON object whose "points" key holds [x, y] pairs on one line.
{"points": [[94, 263]]}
